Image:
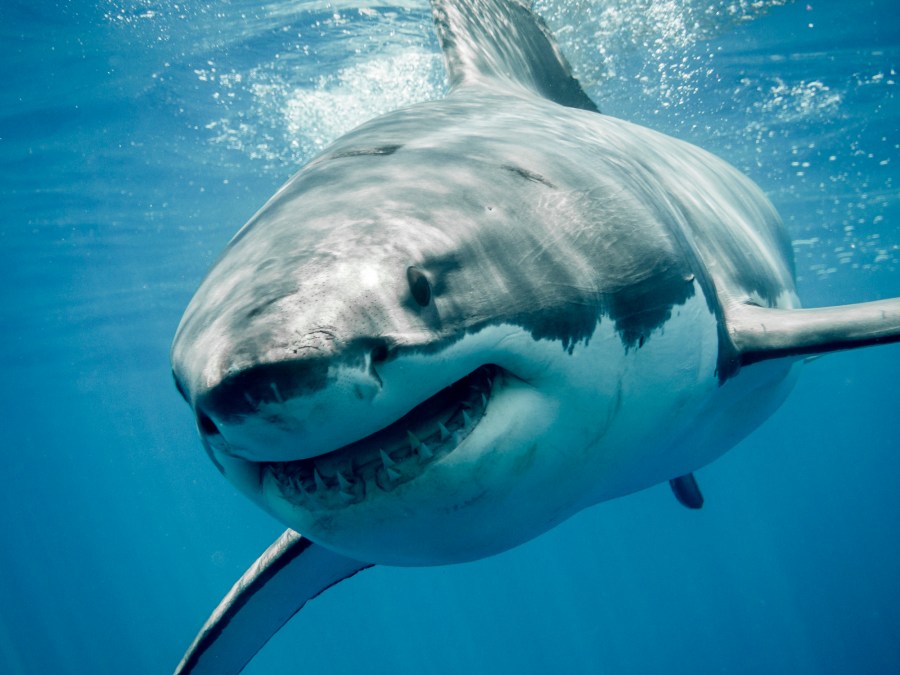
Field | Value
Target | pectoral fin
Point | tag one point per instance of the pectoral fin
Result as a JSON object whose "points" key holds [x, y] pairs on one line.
{"points": [[762, 333], [290, 572], [687, 491]]}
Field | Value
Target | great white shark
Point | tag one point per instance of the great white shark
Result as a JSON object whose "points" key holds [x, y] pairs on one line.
{"points": [[468, 319]]}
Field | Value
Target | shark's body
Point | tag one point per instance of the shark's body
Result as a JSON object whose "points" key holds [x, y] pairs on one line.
{"points": [[469, 319]]}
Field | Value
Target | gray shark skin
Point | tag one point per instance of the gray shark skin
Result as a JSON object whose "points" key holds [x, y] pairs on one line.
{"points": [[469, 319]]}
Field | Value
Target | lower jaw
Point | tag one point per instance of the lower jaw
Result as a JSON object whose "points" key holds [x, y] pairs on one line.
{"points": [[433, 521], [392, 457], [490, 494]]}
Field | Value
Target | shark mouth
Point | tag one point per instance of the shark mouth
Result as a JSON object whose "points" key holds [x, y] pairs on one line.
{"points": [[392, 456]]}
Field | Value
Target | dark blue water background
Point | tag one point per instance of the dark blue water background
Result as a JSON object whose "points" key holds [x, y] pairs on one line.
{"points": [[136, 136]]}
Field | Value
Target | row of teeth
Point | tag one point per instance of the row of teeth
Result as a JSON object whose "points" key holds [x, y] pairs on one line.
{"points": [[345, 482]]}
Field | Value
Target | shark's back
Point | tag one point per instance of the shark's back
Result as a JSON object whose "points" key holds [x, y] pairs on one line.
{"points": [[721, 225]]}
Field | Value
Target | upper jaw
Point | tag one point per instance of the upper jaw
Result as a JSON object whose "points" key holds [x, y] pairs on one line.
{"points": [[354, 402]]}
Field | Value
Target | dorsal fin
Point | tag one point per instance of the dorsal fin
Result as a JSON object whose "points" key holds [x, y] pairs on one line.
{"points": [[496, 41], [760, 333]]}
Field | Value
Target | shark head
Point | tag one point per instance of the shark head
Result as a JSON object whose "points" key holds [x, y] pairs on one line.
{"points": [[399, 355]]}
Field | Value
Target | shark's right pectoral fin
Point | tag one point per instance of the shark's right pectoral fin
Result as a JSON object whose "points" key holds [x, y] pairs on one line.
{"points": [[686, 491], [290, 572], [761, 333]]}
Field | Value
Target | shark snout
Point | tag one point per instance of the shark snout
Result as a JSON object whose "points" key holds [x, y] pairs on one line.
{"points": [[250, 390], [290, 409]]}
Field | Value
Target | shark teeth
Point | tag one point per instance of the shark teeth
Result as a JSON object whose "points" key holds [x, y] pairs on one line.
{"points": [[393, 456], [424, 452], [342, 482], [297, 484], [414, 442], [386, 460], [317, 477], [276, 392]]}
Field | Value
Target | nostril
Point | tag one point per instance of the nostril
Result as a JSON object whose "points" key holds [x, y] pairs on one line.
{"points": [[207, 426]]}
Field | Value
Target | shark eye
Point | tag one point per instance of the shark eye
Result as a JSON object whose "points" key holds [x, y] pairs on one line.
{"points": [[418, 286]]}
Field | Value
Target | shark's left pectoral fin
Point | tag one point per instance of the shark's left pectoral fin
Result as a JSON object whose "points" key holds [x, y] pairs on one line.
{"points": [[762, 333], [290, 572], [686, 491]]}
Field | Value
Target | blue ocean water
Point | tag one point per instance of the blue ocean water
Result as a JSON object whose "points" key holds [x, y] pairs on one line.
{"points": [[136, 136]]}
